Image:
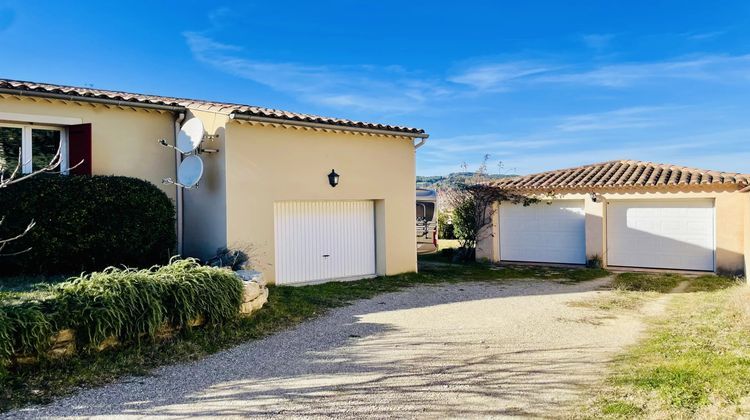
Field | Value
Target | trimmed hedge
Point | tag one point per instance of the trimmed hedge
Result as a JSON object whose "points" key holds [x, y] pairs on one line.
{"points": [[130, 305], [85, 223]]}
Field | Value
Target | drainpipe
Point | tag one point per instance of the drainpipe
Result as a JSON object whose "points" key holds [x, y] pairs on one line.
{"points": [[422, 141], [179, 196]]}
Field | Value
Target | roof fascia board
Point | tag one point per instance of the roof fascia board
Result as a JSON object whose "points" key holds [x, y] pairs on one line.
{"points": [[244, 117], [91, 99]]}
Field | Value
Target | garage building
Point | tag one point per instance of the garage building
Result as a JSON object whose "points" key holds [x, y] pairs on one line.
{"points": [[310, 198], [630, 214]]}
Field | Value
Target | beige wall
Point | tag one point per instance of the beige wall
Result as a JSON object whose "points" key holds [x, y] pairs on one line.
{"points": [[269, 164], [124, 141], [732, 210]]}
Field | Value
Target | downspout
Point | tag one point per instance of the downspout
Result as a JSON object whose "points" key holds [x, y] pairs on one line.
{"points": [[179, 195], [422, 141]]}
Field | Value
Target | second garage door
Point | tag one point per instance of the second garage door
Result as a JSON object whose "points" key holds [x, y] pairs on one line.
{"points": [[324, 240], [676, 234], [549, 233]]}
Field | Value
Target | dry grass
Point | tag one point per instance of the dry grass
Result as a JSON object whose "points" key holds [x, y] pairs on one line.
{"points": [[694, 363], [632, 290], [617, 300]]}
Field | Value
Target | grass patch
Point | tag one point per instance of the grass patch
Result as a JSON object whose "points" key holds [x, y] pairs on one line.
{"points": [[695, 362], [286, 307], [447, 243], [647, 282], [709, 283], [622, 409], [618, 300]]}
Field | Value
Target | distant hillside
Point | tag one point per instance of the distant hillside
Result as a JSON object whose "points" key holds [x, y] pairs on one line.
{"points": [[450, 180]]}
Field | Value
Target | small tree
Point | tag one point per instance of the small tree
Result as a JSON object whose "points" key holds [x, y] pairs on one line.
{"points": [[473, 204]]}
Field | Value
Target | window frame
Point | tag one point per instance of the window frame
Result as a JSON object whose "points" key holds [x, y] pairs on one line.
{"points": [[26, 147]]}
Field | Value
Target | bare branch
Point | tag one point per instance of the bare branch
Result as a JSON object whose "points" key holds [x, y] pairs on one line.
{"points": [[5, 242], [14, 178]]}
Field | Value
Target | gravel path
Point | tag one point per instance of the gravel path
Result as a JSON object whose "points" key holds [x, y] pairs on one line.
{"points": [[468, 350]]}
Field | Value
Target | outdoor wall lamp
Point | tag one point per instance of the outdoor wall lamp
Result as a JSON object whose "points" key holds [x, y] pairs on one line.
{"points": [[333, 178]]}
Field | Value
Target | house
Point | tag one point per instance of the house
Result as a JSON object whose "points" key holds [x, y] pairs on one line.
{"points": [[265, 185], [627, 213]]}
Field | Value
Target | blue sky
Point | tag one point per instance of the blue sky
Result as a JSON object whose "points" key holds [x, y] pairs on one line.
{"points": [[537, 85]]}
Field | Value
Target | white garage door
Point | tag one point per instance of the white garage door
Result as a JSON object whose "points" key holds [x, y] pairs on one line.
{"points": [[541, 232], [677, 234], [324, 240]]}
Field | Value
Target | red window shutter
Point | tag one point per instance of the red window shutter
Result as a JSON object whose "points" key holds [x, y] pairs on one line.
{"points": [[79, 149]]}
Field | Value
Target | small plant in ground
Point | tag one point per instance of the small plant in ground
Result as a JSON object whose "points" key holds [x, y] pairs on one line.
{"points": [[594, 261]]}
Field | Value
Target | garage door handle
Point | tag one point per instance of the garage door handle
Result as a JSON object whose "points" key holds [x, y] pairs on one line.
{"points": [[326, 255]]}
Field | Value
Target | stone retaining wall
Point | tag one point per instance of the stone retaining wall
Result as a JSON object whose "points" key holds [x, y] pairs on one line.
{"points": [[63, 343]]}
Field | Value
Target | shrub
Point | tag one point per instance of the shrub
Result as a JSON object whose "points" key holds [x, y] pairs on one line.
{"points": [[464, 222], [445, 227], [236, 259], [594, 261], [24, 328], [131, 305], [85, 223]]}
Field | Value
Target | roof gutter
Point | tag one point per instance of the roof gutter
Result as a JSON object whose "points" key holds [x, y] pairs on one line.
{"points": [[245, 117], [104, 101]]}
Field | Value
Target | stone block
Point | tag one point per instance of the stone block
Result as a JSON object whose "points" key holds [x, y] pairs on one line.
{"points": [[108, 342], [250, 291]]}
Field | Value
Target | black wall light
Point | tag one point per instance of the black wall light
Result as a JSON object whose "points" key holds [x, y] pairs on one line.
{"points": [[333, 178]]}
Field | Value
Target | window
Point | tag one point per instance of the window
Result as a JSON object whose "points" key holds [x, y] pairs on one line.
{"points": [[425, 210], [37, 146]]}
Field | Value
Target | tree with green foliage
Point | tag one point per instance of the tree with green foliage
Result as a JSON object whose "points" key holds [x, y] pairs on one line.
{"points": [[473, 203]]}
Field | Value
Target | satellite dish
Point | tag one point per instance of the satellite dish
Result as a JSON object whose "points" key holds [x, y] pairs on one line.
{"points": [[190, 171], [190, 135]]}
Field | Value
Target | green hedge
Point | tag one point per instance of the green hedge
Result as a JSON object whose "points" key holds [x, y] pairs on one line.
{"points": [[85, 223], [130, 305]]}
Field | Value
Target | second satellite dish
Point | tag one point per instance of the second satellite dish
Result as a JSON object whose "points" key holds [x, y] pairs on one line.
{"points": [[190, 171], [190, 135]]}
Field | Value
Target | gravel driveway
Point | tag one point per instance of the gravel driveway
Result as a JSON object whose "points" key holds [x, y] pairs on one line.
{"points": [[468, 350]]}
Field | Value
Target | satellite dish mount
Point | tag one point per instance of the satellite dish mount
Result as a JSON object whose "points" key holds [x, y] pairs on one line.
{"points": [[189, 139]]}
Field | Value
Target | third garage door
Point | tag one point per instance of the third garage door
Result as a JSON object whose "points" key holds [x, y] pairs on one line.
{"points": [[672, 234]]}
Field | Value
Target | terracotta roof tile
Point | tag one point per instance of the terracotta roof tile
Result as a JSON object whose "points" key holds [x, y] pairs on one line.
{"points": [[621, 174], [136, 98]]}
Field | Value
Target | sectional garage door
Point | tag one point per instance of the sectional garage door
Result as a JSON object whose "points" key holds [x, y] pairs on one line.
{"points": [[550, 233], [324, 240], [674, 234]]}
